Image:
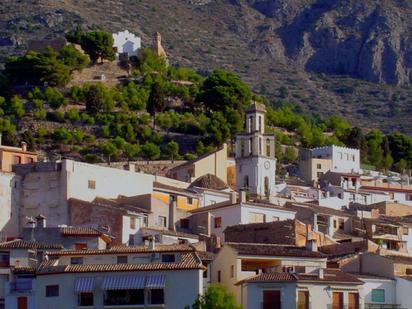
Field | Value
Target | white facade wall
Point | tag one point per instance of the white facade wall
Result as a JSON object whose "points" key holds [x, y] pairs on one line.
{"points": [[404, 293], [47, 193], [400, 197], [344, 159], [383, 284], [320, 296], [10, 300], [408, 239], [182, 288], [210, 198], [126, 42], [9, 202], [241, 214]]}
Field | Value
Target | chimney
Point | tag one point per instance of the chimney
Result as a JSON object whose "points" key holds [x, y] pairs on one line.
{"points": [[243, 196], [31, 223], [312, 245], [23, 146], [41, 221], [321, 273], [233, 197]]}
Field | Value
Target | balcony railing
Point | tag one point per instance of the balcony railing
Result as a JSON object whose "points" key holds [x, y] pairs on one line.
{"points": [[24, 286], [382, 306]]}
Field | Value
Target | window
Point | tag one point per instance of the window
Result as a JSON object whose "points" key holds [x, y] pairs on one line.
{"points": [[4, 259], [92, 184], [341, 224], [85, 299], [353, 301], [250, 146], [168, 258], [132, 223], [80, 246], [184, 223], [122, 259], [408, 197], [378, 295], [52, 290], [260, 146], [268, 147], [319, 174], [156, 297], [145, 220], [29, 160], [190, 200], [256, 217], [219, 276], [232, 271], [334, 224], [131, 240], [205, 274], [76, 260], [162, 221], [250, 124], [260, 123], [405, 231], [303, 300], [271, 300], [16, 159], [319, 166], [124, 297], [246, 182], [267, 191], [218, 222]]}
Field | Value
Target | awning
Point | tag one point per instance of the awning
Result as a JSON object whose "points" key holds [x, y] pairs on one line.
{"points": [[84, 285], [123, 282], [156, 282]]}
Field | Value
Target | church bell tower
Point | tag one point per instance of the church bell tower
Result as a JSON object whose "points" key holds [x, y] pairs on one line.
{"points": [[255, 155]]}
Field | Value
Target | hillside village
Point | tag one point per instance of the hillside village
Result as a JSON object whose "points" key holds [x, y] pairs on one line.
{"points": [[282, 215]]}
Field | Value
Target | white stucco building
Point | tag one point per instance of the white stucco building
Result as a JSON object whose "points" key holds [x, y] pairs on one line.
{"points": [[9, 201], [126, 42], [213, 219], [46, 187], [255, 155], [343, 159]]}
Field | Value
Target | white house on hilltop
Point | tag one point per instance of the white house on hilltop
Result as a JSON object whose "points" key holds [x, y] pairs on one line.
{"points": [[343, 159], [126, 42]]}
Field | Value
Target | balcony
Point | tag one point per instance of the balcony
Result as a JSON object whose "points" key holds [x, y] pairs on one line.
{"points": [[23, 286], [382, 306]]}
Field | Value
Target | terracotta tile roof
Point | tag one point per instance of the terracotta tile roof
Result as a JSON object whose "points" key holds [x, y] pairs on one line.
{"points": [[317, 209], [162, 186], [189, 260], [385, 189], [274, 250], [169, 232], [23, 270], [209, 181], [248, 203], [206, 256], [22, 244], [126, 249], [330, 276], [79, 231]]}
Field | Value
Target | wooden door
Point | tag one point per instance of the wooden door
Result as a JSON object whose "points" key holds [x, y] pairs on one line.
{"points": [[303, 299], [21, 302], [271, 300], [353, 300], [337, 300]]}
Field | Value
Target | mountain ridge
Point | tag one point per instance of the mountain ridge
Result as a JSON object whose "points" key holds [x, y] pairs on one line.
{"points": [[333, 57]]}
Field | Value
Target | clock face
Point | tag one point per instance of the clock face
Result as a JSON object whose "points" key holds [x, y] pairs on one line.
{"points": [[267, 165]]}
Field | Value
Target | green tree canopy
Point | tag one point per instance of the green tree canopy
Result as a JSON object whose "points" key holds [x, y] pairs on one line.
{"points": [[224, 89], [150, 151], [216, 297], [98, 45]]}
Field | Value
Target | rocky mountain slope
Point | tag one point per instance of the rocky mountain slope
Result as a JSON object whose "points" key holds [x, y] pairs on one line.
{"points": [[348, 57]]}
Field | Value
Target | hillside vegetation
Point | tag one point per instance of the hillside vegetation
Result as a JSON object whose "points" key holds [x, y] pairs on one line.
{"points": [[159, 111], [341, 57]]}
